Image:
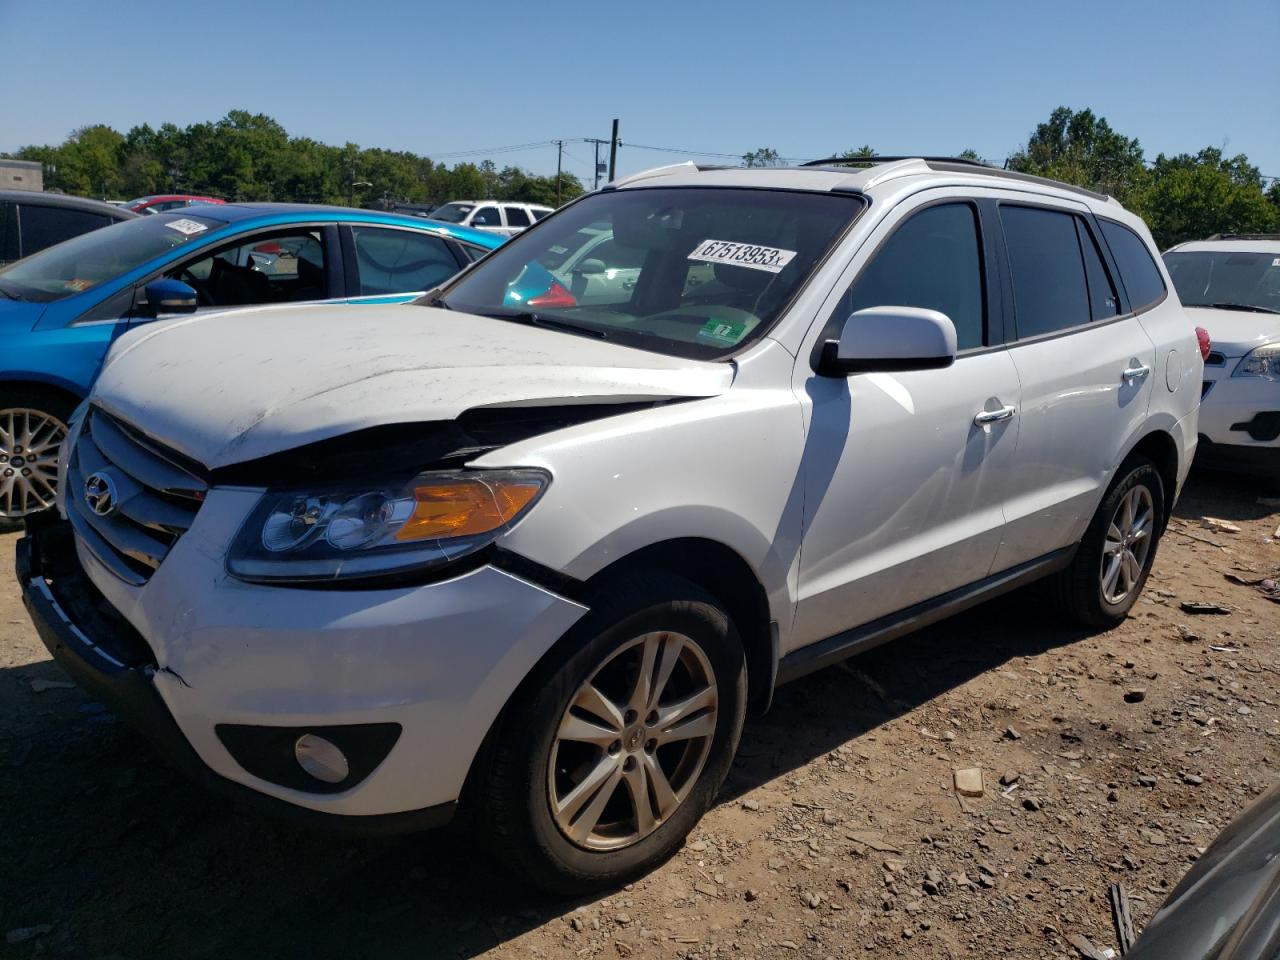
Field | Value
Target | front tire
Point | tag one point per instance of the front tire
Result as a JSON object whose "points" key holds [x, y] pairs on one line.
{"points": [[1115, 556], [33, 424], [616, 746]]}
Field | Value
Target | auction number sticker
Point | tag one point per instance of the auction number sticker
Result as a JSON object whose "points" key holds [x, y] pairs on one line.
{"points": [[187, 228], [769, 259]]}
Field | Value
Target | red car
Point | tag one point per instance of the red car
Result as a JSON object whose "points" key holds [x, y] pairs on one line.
{"points": [[168, 201]]}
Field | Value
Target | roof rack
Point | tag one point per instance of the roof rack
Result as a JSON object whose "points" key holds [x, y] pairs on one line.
{"points": [[964, 165], [1244, 236], [872, 161]]}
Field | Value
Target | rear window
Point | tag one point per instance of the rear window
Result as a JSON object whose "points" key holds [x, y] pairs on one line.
{"points": [[44, 226], [1138, 271]]}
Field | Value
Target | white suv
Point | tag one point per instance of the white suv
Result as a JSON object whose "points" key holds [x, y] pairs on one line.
{"points": [[1231, 286], [504, 218], [542, 557]]}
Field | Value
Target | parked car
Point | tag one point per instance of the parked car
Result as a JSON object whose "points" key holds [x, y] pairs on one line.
{"points": [[1231, 285], [360, 564], [168, 201], [61, 310], [30, 221], [490, 215], [1227, 907]]}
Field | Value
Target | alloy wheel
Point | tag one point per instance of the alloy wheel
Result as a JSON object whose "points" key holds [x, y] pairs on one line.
{"points": [[633, 741], [1128, 544], [29, 443]]}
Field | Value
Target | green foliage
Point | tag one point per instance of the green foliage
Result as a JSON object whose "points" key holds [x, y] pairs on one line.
{"points": [[1191, 197], [864, 152], [1080, 148], [1184, 197], [249, 156], [764, 157]]}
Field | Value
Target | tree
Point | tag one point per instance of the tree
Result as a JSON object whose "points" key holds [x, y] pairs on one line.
{"points": [[1081, 148], [1190, 197], [864, 152], [763, 157]]}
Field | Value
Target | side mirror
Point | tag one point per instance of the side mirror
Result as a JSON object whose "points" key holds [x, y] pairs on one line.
{"points": [[890, 339], [169, 296], [590, 267]]}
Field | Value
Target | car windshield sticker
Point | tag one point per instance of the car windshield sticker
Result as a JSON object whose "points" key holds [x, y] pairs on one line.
{"points": [[722, 332], [769, 259], [1276, 262], [186, 227]]}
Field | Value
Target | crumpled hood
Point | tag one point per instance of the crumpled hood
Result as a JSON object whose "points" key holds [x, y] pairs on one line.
{"points": [[1235, 332], [233, 387]]}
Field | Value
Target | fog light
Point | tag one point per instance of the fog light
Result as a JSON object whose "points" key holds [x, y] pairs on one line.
{"points": [[320, 758]]}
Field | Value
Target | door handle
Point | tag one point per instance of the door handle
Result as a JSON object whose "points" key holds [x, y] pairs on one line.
{"points": [[1135, 373], [985, 417]]}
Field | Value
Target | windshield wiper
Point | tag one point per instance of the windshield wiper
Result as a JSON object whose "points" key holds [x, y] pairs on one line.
{"points": [[1236, 306], [538, 320], [10, 294]]}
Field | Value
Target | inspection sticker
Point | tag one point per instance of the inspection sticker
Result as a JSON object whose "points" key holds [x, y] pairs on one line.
{"points": [[187, 228], [721, 332], [769, 259]]}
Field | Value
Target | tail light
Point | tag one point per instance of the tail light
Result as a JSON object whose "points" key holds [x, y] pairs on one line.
{"points": [[1202, 336], [555, 297]]}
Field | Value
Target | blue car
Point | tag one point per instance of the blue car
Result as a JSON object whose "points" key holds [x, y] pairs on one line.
{"points": [[61, 309]]}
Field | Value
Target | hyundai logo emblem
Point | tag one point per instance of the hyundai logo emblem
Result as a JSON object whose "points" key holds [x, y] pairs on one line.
{"points": [[100, 494]]}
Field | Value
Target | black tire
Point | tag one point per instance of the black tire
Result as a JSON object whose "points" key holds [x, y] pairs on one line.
{"points": [[43, 399], [513, 796], [1077, 591]]}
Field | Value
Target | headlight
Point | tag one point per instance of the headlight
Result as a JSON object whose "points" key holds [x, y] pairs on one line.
{"points": [[356, 531], [1262, 362]]}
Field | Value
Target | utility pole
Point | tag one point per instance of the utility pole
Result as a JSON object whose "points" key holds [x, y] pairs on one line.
{"points": [[597, 142], [559, 159], [613, 150]]}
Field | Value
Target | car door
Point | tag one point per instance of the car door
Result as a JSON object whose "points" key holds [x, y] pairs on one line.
{"points": [[1085, 365], [390, 265], [905, 474], [517, 218], [487, 218]]}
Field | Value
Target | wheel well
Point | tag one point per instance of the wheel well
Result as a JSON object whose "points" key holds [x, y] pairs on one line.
{"points": [[725, 575], [9, 388], [1159, 448]]}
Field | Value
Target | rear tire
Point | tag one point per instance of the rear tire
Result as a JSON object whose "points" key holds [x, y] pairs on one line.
{"points": [[538, 793], [1115, 556], [33, 422]]}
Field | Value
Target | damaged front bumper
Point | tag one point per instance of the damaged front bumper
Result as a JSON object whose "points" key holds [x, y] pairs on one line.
{"points": [[111, 662]]}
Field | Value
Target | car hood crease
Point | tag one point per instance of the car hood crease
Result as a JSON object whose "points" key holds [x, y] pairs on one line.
{"points": [[237, 386]]}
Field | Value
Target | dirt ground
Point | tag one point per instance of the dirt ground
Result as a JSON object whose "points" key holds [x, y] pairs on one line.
{"points": [[839, 833]]}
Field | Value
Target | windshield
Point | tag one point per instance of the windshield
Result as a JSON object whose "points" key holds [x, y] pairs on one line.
{"points": [[92, 258], [695, 272], [1218, 278], [453, 212]]}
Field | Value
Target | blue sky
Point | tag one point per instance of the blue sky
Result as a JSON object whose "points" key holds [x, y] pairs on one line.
{"points": [[806, 78]]}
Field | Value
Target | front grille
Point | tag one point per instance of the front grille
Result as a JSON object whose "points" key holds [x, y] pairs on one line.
{"points": [[151, 496], [1205, 387]]}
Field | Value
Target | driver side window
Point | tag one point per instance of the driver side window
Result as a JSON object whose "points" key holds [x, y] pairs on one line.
{"points": [[282, 268], [932, 260]]}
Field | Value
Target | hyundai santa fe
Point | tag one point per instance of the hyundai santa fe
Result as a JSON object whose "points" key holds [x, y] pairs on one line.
{"points": [[504, 548]]}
